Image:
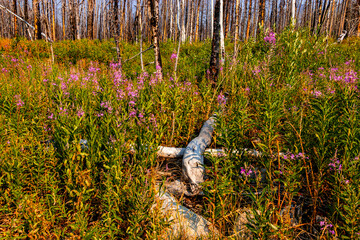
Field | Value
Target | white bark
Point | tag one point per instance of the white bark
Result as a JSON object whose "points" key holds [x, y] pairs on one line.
{"points": [[222, 42], [193, 160], [139, 9], [212, 18], [171, 19], [173, 152], [293, 11], [183, 36]]}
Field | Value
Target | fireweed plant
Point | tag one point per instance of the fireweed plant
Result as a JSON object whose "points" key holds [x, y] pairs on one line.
{"points": [[78, 137]]}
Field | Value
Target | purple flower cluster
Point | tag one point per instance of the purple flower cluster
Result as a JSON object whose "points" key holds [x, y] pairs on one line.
{"points": [[316, 93], [256, 70], [327, 226], [221, 99], [19, 102], [63, 111], [80, 113], [335, 165], [292, 156], [246, 171], [106, 106], [270, 38], [173, 56]]}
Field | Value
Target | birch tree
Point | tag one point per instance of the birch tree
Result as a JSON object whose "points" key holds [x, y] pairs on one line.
{"points": [[222, 41]]}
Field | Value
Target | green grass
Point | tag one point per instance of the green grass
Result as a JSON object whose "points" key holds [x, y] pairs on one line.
{"points": [[298, 97]]}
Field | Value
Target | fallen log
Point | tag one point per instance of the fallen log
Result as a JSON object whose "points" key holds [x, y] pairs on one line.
{"points": [[173, 152], [184, 222], [193, 160]]}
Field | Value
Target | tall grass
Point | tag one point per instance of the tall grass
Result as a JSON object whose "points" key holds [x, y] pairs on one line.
{"points": [[66, 169]]}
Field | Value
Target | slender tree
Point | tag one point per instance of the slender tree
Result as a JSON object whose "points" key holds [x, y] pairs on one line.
{"points": [[248, 20], [90, 19], [261, 16], [222, 41], [215, 46], [358, 28], [153, 6], [37, 23], [15, 19], [237, 17]]}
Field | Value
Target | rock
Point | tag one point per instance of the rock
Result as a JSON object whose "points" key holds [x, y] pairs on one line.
{"points": [[184, 222]]}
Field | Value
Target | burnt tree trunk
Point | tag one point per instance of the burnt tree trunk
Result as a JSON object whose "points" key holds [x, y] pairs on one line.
{"points": [[15, 19], [248, 20], [153, 6], [90, 19], [215, 47], [37, 23], [261, 15]]}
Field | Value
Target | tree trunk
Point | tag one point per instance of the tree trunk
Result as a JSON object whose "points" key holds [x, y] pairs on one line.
{"points": [[358, 7], [212, 18], [237, 19], [53, 20], [90, 19], [153, 6], [222, 41], [140, 32], [37, 23], [248, 20], [343, 15], [165, 15], [197, 21], [215, 47], [15, 19], [77, 20], [182, 15], [261, 15], [274, 12], [63, 18], [330, 23], [293, 11]]}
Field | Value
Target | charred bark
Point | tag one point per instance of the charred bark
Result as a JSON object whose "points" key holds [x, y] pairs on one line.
{"points": [[153, 6], [215, 47]]}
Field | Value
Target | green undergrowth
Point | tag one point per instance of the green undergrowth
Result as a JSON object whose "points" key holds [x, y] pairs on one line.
{"points": [[79, 136]]}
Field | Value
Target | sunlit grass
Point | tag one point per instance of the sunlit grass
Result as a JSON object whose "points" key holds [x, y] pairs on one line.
{"points": [[66, 169]]}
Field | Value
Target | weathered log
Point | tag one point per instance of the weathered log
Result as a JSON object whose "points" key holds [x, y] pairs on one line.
{"points": [[193, 160], [184, 222], [173, 152]]}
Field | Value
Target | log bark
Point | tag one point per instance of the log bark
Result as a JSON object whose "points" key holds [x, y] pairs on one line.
{"points": [[184, 222], [173, 152], [193, 160]]}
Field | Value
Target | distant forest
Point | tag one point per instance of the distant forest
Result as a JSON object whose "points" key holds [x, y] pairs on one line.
{"points": [[187, 20]]}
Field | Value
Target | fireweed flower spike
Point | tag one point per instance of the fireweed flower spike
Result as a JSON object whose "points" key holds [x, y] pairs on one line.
{"points": [[19, 102], [173, 56], [270, 38]]}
